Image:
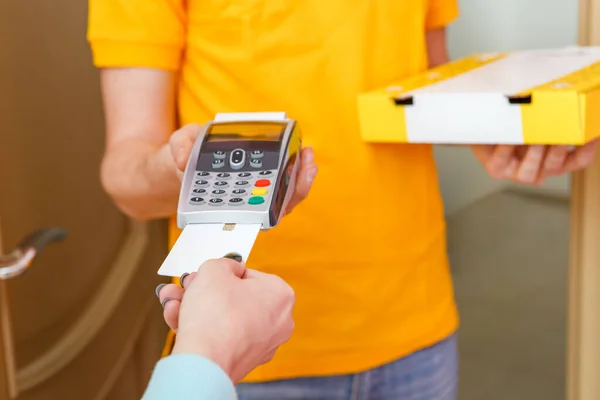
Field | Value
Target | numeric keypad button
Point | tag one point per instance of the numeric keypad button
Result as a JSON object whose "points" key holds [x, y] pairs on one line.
{"points": [[202, 175], [201, 183], [218, 193], [216, 201], [236, 201], [221, 184], [242, 184], [196, 201], [239, 192]]}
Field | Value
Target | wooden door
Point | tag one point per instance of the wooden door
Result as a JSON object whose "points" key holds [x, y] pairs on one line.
{"points": [[83, 322], [583, 344]]}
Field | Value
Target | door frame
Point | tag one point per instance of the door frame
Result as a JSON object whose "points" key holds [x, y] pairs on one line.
{"points": [[583, 323], [4, 368], [8, 378]]}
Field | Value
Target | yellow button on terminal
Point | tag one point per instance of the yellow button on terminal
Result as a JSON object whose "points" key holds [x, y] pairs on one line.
{"points": [[259, 192]]}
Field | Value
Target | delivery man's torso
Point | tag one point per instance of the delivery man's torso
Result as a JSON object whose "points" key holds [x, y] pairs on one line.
{"points": [[365, 252]]}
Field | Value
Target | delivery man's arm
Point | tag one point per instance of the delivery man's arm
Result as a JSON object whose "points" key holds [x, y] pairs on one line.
{"points": [[437, 52], [138, 45], [440, 13], [139, 169]]}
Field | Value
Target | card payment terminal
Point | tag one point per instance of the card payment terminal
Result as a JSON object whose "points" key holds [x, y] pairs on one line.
{"points": [[242, 170]]}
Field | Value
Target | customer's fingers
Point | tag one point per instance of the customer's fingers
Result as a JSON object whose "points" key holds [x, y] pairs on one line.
{"points": [[170, 299], [222, 266], [274, 284], [171, 313], [254, 274], [169, 292], [186, 279]]}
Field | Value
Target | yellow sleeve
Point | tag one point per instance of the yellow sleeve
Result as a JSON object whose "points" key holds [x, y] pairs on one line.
{"points": [[441, 13], [137, 33]]}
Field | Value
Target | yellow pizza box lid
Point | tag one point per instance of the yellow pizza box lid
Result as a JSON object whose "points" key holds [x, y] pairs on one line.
{"points": [[545, 96]]}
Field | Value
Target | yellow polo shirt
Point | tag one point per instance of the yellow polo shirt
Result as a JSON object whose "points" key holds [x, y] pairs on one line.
{"points": [[366, 251]]}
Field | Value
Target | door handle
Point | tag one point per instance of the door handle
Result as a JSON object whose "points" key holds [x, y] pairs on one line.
{"points": [[20, 259]]}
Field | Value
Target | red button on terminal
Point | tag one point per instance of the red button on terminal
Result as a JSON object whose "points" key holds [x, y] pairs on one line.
{"points": [[262, 183]]}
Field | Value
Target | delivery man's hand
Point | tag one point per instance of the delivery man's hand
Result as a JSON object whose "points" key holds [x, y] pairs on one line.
{"points": [[182, 141], [234, 316], [533, 164], [143, 162]]}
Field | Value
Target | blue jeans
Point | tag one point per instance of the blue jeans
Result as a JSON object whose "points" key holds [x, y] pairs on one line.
{"points": [[428, 374]]}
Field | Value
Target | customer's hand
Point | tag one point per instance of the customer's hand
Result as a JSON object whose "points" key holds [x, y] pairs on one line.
{"points": [[533, 164], [236, 317], [182, 141]]}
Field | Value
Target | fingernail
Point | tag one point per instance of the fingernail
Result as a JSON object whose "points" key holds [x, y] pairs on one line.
{"points": [[234, 256], [158, 288], [308, 156], [182, 278], [311, 175], [164, 302], [527, 177]]}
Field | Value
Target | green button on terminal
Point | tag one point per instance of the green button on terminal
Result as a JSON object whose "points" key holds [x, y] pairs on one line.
{"points": [[256, 200]]}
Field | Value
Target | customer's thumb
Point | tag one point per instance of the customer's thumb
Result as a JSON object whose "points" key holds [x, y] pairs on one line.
{"points": [[226, 266]]}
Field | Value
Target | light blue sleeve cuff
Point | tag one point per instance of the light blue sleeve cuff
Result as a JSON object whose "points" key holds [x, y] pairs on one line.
{"points": [[188, 376]]}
